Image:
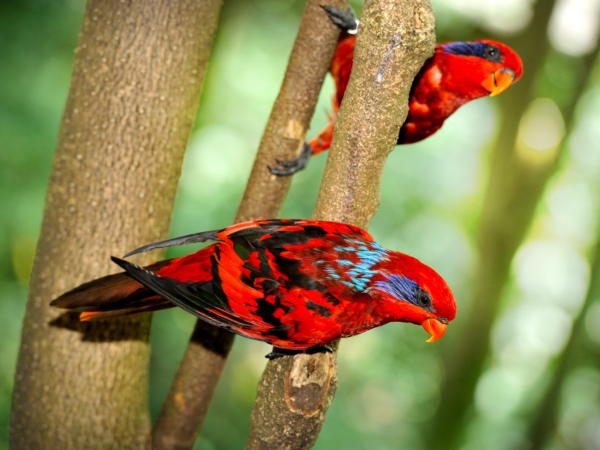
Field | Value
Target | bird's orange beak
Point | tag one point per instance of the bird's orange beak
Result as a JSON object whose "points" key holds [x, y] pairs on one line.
{"points": [[498, 81], [435, 327]]}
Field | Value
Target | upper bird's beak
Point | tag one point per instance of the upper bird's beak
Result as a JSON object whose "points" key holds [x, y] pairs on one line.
{"points": [[498, 81], [435, 327]]}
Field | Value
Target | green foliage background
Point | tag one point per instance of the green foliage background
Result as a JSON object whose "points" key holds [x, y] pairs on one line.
{"points": [[432, 192]]}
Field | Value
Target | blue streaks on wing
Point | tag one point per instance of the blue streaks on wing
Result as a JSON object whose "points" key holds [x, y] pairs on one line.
{"points": [[357, 271], [465, 48], [402, 288], [332, 273], [345, 262]]}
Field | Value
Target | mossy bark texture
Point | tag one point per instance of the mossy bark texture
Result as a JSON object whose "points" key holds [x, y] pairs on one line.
{"points": [[134, 93], [185, 408], [394, 40]]}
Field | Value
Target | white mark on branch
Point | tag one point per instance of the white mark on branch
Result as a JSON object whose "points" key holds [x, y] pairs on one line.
{"points": [[387, 59]]}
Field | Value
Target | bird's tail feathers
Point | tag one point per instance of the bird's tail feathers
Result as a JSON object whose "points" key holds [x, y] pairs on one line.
{"points": [[112, 296]]}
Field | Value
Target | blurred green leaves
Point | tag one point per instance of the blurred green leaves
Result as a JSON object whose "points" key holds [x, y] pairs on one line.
{"points": [[431, 198]]}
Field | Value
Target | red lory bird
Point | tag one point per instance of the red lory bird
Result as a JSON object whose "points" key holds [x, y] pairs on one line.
{"points": [[457, 73], [296, 284]]}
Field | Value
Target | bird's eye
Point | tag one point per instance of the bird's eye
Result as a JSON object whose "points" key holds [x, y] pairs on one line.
{"points": [[492, 53], [423, 299]]}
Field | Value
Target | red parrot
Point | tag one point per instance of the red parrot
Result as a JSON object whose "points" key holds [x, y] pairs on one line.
{"points": [[457, 73], [296, 284]]}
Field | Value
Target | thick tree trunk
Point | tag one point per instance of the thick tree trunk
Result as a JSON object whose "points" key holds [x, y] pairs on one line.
{"points": [[394, 40], [185, 408], [514, 191], [133, 97]]}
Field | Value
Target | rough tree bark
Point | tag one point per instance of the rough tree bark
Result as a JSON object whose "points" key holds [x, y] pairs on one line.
{"points": [[134, 93], [394, 40], [514, 190], [185, 408]]}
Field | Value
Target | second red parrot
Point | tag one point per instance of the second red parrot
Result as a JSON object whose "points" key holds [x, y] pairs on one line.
{"points": [[457, 73]]}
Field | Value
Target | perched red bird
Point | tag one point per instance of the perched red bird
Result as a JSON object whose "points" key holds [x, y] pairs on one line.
{"points": [[457, 73], [296, 284]]}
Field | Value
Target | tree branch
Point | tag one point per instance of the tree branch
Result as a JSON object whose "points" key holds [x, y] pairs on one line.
{"points": [[395, 38], [129, 112], [185, 408]]}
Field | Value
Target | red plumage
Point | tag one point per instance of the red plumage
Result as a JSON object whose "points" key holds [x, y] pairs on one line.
{"points": [[457, 73], [446, 82], [295, 284]]}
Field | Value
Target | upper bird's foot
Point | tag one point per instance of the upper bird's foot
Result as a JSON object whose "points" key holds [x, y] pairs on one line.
{"points": [[319, 349], [294, 165], [345, 21]]}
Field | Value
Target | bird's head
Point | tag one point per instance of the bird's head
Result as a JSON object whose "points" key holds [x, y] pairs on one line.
{"points": [[480, 68], [415, 293]]}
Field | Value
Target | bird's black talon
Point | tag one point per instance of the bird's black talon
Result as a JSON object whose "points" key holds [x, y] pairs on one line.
{"points": [[274, 355], [345, 21], [319, 349], [293, 165], [280, 352], [282, 172], [284, 163]]}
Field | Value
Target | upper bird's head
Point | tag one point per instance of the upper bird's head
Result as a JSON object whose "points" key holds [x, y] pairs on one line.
{"points": [[479, 67], [414, 292]]}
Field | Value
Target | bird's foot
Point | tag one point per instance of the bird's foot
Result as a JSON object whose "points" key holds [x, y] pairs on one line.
{"points": [[294, 165], [319, 349], [280, 352], [345, 21]]}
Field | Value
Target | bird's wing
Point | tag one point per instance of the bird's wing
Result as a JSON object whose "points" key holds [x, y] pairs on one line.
{"points": [[258, 288]]}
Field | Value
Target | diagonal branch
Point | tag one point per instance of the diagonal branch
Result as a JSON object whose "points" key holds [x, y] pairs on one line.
{"points": [[394, 40], [185, 408]]}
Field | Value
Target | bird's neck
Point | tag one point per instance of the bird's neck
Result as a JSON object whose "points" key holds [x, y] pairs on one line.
{"points": [[438, 93], [445, 87]]}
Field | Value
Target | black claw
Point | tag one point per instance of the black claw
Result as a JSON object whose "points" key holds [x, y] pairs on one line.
{"points": [[280, 352], [290, 163], [293, 165], [345, 21], [274, 355]]}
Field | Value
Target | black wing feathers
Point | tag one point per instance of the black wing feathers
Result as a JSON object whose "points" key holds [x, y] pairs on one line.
{"points": [[196, 298], [205, 236]]}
